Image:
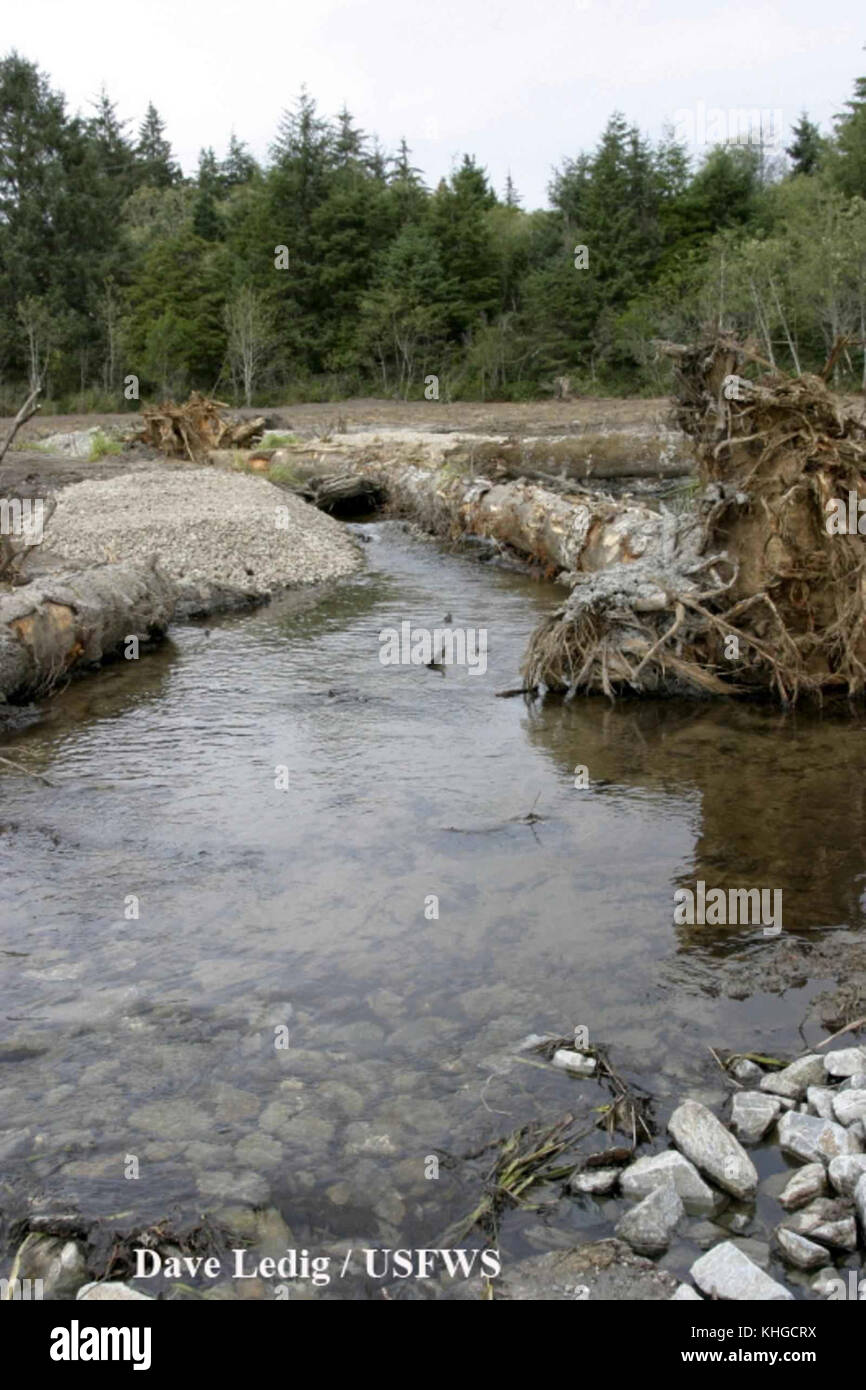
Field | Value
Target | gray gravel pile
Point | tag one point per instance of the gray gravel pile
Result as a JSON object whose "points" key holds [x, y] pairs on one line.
{"points": [[222, 537]]}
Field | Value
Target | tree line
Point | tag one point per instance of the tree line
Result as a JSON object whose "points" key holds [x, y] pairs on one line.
{"points": [[332, 270]]}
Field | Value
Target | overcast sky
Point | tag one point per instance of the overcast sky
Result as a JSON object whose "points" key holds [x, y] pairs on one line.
{"points": [[518, 84]]}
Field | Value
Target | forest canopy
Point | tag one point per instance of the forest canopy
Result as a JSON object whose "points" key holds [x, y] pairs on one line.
{"points": [[332, 270]]}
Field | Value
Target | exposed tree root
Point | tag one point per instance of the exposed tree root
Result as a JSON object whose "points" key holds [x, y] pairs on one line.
{"points": [[749, 591]]}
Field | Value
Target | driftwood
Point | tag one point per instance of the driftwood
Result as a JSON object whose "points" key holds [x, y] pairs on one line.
{"points": [[62, 621], [193, 429], [750, 590]]}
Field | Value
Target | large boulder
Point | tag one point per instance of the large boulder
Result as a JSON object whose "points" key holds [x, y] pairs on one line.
{"points": [[703, 1138]]}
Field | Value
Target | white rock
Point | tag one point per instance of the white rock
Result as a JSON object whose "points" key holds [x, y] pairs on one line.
{"points": [[814, 1140], [850, 1106], [828, 1221], [646, 1174], [725, 1272], [805, 1184], [99, 1293], [845, 1172], [857, 1082], [747, 1072], [799, 1251], [704, 1139], [686, 1294], [752, 1114], [596, 1181], [648, 1227], [820, 1098], [845, 1061], [793, 1081], [575, 1062]]}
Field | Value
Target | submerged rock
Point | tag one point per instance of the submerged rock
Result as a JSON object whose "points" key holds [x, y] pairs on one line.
{"points": [[704, 1139], [726, 1272]]}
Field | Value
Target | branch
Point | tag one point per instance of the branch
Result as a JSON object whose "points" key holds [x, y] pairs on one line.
{"points": [[30, 407]]}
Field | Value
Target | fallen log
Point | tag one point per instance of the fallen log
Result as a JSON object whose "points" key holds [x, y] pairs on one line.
{"points": [[72, 619], [560, 532], [750, 591], [578, 458]]}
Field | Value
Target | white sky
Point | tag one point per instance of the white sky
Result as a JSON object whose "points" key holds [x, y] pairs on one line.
{"points": [[519, 85]]}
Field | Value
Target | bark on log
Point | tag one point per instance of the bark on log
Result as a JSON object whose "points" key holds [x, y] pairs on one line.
{"points": [[579, 458], [66, 620], [558, 532]]}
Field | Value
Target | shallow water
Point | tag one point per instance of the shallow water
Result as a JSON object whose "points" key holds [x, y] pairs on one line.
{"points": [[154, 1036]]}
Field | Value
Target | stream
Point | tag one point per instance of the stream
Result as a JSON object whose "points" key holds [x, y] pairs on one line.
{"points": [[244, 987]]}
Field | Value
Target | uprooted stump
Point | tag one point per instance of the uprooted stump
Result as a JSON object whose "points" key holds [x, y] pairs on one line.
{"points": [[191, 430], [748, 590], [74, 619]]}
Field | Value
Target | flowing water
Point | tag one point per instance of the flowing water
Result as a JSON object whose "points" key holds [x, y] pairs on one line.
{"points": [[245, 988]]}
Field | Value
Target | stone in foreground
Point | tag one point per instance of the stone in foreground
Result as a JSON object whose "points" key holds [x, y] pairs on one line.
{"points": [[712, 1149], [726, 1273], [752, 1114], [804, 1185], [794, 1081], [829, 1221], [686, 1294], [845, 1172], [648, 1227], [656, 1170], [814, 1140], [845, 1061], [800, 1252], [850, 1106]]}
